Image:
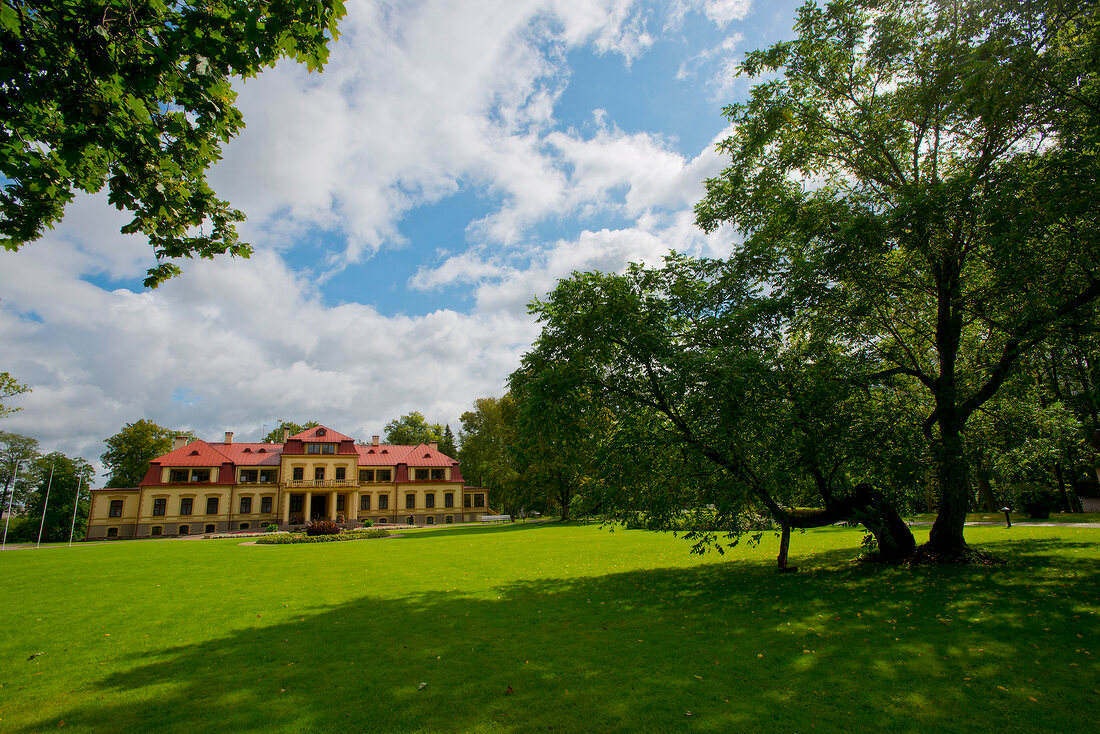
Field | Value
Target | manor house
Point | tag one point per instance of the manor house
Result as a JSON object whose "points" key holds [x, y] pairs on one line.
{"points": [[204, 487]]}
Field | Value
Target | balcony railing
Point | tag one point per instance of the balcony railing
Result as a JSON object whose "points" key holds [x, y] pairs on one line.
{"points": [[321, 484]]}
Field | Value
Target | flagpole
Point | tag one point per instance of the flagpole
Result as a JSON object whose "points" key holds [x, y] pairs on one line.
{"points": [[44, 503], [76, 504], [7, 517]]}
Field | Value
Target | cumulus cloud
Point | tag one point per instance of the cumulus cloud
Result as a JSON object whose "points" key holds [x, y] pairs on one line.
{"points": [[419, 101]]}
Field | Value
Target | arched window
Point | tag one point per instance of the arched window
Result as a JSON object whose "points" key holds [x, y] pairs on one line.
{"points": [[244, 526]]}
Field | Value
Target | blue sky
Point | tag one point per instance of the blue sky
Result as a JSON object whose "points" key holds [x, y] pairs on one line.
{"points": [[452, 162]]}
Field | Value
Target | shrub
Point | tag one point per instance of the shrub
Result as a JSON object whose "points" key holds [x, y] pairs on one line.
{"points": [[322, 527], [1037, 501], [368, 523], [271, 528]]}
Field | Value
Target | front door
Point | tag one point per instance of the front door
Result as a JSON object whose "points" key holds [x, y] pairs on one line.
{"points": [[317, 507]]}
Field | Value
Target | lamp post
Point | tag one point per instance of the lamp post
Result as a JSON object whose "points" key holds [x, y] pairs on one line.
{"points": [[1008, 520]]}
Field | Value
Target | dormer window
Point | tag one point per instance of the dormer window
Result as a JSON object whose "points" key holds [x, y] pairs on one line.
{"points": [[320, 431], [194, 452], [262, 451], [248, 451]]}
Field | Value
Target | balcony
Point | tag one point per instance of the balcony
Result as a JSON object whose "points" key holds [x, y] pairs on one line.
{"points": [[321, 484]]}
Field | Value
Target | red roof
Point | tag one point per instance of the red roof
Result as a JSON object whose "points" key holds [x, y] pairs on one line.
{"points": [[252, 454], [321, 434], [388, 455], [196, 453]]}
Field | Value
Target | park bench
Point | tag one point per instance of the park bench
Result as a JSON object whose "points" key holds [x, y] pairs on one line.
{"points": [[496, 518]]}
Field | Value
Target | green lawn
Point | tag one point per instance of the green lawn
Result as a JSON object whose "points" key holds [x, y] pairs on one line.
{"points": [[546, 627]]}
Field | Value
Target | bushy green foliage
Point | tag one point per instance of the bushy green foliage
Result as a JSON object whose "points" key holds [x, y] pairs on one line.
{"points": [[322, 527], [368, 523], [271, 528], [1037, 501]]}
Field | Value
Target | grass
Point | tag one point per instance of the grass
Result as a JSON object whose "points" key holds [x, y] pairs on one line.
{"points": [[549, 627]]}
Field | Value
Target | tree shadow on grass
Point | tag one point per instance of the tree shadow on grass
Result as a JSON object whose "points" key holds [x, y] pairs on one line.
{"points": [[714, 648]]}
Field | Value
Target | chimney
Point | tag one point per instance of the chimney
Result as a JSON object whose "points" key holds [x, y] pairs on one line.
{"points": [[228, 437], [374, 440], [286, 435], [179, 442], [433, 445]]}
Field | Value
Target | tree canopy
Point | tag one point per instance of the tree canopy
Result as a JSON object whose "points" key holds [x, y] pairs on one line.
{"points": [[275, 435], [412, 429], [918, 183], [137, 97], [9, 387], [131, 449], [18, 456]]}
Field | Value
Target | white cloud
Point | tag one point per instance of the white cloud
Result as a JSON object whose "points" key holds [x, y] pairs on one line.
{"points": [[419, 101]]}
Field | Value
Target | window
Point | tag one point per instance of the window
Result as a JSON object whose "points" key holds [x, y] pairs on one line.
{"points": [[267, 476], [211, 505], [200, 475], [429, 520], [465, 500], [244, 526], [185, 505], [112, 532], [366, 475], [160, 504], [449, 519], [185, 530], [320, 448], [209, 528], [340, 504], [295, 503], [156, 530], [116, 509], [479, 500], [341, 472], [249, 476], [382, 475], [364, 502], [429, 499], [246, 505], [299, 474], [421, 474], [448, 499], [319, 473], [178, 475], [410, 501], [438, 474], [266, 504], [384, 502]]}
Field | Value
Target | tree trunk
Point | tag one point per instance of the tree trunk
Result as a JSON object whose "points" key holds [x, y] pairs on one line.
{"points": [[946, 538], [985, 491], [784, 546], [1066, 505]]}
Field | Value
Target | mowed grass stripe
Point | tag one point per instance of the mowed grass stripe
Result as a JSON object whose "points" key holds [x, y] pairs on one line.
{"points": [[548, 627]]}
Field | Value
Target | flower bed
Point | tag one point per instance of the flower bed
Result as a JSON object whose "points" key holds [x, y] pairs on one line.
{"points": [[290, 538]]}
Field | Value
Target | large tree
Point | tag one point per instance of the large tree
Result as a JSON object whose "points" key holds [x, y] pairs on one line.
{"points": [[488, 437], [18, 455], [131, 449], [138, 97], [412, 429], [675, 389], [275, 435], [59, 480], [920, 180]]}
